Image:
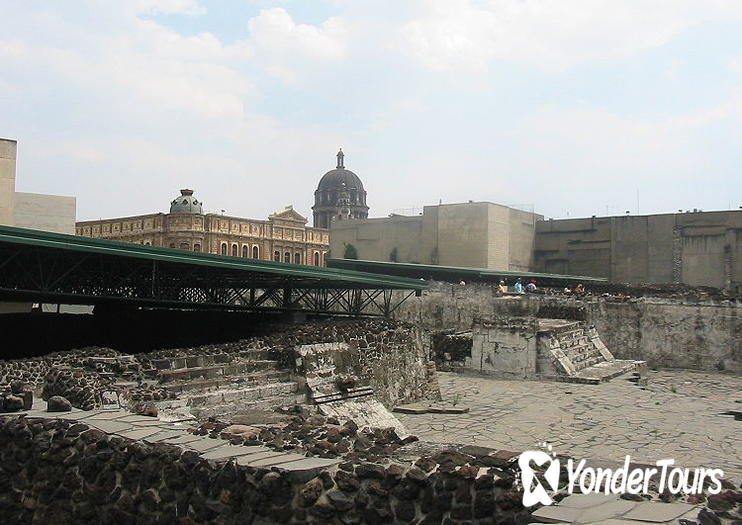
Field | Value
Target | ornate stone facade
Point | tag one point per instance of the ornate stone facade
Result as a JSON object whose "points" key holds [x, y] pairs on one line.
{"points": [[283, 237]]}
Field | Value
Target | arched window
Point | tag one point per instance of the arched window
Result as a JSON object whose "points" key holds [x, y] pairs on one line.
{"points": [[277, 256], [196, 247], [245, 250], [297, 258], [287, 257], [172, 245], [224, 248], [255, 252], [184, 246], [147, 243], [316, 258], [234, 250]]}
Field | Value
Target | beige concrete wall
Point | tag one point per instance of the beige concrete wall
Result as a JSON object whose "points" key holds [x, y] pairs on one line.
{"points": [[473, 234], [498, 237], [463, 234], [8, 153], [522, 239], [374, 239], [53, 213]]}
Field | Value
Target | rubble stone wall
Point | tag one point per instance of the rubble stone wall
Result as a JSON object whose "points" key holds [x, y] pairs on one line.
{"points": [[56, 471], [665, 332], [394, 357]]}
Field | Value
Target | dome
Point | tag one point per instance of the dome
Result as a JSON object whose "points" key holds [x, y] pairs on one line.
{"points": [[339, 196], [186, 203], [335, 179], [339, 178]]}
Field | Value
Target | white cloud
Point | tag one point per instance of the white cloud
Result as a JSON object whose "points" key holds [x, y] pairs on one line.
{"points": [[185, 7], [288, 49], [274, 31], [551, 34]]}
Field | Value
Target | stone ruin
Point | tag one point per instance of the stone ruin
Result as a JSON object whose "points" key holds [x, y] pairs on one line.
{"points": [[290, 427], [531, 348]]}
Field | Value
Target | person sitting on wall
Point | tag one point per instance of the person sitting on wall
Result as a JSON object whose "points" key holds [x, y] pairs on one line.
{"points": [[501, 288], [519, 286], [531, 286], [579, 288]]}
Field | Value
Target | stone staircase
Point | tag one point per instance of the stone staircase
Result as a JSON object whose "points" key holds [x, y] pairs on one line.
{"points": [[571, 351], [224, 384]]}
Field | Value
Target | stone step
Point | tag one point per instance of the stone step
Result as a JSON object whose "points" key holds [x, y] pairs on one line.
{"points": [[606, 371], [247, 394], [257, 378], [212, 372], [584, 352], [582, 365], [574, 342], [233, 401], [570, 334]]}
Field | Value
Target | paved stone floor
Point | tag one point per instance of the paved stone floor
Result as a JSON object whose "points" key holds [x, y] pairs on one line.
{"points": [[154, 430], [678, 415]]}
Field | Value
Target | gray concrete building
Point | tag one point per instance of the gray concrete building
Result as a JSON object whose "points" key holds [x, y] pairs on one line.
{"points": [[695, 248], [473, 234]]}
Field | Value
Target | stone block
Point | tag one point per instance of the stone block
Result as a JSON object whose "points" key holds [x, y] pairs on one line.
{"points": [[657, 512]]}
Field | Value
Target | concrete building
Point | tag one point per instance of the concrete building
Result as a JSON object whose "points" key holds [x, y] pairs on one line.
{"points": [[34, 211], [284, 237], [695, 248], [474, 234]]}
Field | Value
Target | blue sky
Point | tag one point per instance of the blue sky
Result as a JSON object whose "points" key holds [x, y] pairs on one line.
{"points": [[572, 107]]}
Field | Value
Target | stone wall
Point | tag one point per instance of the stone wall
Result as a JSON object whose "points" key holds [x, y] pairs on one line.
{"points": [[393, 356], [672, 335], [665, 332], [699, 249], [57, 471]]}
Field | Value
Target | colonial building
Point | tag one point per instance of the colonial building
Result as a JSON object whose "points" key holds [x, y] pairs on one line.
{"points": [[339, 196], [283, 237]]}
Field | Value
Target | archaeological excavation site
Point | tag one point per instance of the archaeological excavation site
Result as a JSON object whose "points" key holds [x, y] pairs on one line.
{"points": [[139, 416], [257, 393]]}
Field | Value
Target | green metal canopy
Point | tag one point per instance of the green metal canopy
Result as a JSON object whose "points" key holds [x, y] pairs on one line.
{"points": [[455, 273], [51, 267]]}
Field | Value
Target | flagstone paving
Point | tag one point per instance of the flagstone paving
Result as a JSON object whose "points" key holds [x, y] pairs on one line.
{"points": [[154, 430], [610, 510], [677, 415]]}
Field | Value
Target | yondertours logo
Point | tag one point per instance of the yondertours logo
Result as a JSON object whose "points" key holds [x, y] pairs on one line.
{"points": [[588, 480]]}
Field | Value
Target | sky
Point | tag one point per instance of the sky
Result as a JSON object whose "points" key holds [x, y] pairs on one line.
{"points": [[567, 107]]}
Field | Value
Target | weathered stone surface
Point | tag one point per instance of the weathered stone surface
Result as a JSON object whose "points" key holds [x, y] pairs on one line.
{"points": [[58, 404], [310, 492]]}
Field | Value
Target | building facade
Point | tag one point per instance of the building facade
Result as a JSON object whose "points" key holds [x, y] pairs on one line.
{"points": [[283, 237], [473, 234], [339, 196], [35, 211], [695, 248]]}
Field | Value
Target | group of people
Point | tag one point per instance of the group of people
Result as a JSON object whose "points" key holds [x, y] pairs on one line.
{"points": [[531, 287], [518, 287]]}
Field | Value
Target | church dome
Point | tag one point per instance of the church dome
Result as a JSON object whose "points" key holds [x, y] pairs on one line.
{"points": [[339, 196], [340, 177], [186, 203]]}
